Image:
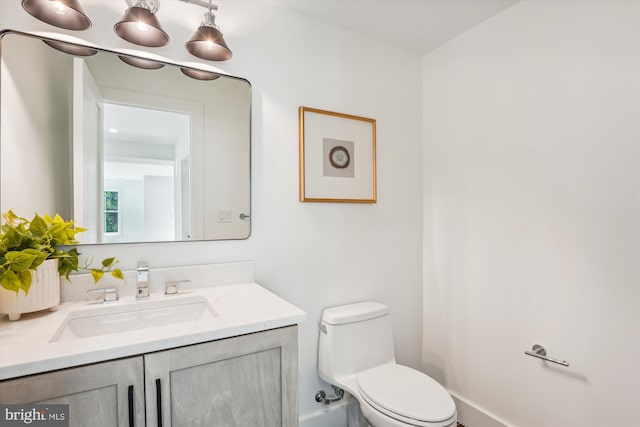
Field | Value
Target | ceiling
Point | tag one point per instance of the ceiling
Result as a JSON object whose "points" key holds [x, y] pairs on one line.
{"points": [[144, 125], [415, 25]]}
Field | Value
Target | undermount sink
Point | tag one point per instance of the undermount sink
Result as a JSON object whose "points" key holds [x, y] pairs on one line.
{"points": [[141, 315]]}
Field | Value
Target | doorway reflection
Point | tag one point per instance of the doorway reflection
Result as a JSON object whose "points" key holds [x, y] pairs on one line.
{"points": [[145, 174]]}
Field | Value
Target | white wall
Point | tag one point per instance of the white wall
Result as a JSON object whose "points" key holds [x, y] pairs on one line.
{"points": [[27, 124], [314, 255], [531, 214], [159, 216]]}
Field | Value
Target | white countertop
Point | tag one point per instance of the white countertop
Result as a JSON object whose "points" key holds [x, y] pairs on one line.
{"points": [[25, 346]]}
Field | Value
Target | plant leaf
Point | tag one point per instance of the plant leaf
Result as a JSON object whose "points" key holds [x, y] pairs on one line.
{"points": [[19, 261], [25, 281], [12, 219], [97, 275], [117, 273], [7, 283], [40, 257], [67, 262], [38, 227], [13, 282], [11, 239], [108, 261]]}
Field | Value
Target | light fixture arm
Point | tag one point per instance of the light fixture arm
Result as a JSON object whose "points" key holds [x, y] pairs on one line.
{"points": [[151, 5], [142, 5], [202, 3]]}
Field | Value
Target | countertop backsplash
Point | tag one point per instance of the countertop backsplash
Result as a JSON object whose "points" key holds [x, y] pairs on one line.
{"points": [[199, 276]]}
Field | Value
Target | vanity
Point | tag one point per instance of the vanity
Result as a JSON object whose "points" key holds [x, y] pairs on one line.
{"points": [[138, 154], [220, 352]]}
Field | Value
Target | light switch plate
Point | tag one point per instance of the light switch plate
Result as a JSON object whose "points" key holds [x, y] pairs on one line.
{"points": [[224, 216]]}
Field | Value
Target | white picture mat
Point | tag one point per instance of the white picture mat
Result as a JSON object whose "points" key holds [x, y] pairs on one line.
{"points": [[317, 186]]}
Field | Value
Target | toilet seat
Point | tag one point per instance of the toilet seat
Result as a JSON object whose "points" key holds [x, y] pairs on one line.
{"points": [[406, 395]]}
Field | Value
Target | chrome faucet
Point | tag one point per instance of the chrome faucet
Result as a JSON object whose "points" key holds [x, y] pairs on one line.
{"points": [[142, 290]]}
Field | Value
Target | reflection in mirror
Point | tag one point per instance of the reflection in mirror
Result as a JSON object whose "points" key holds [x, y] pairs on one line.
{"points": [[199, 74], [70, 48], [133, 154], [143, 147], [145, 64]]}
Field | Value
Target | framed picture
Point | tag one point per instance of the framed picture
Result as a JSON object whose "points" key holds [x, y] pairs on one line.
{"points": [[337, 157]]}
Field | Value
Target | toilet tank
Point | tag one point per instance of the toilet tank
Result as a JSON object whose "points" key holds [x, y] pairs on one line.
{"points": [[353, 338]]}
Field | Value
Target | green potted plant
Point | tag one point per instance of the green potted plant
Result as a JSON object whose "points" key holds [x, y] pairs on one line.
{"points": [[40, 250]]}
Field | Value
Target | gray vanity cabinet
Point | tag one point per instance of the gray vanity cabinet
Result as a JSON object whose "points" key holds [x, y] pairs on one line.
{"points": [[249, 380], [101, 395]]}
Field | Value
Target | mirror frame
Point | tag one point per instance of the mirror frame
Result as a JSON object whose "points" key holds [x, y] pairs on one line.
{"points": [[182, 66]]}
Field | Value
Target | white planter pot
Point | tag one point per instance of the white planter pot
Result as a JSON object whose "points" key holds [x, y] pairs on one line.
{"points": [[44, 292]]}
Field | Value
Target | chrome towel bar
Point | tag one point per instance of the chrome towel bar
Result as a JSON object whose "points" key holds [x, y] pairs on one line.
{"points": [[540, 352]]}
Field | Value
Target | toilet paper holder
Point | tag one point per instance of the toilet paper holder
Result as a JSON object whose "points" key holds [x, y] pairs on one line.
{"points": [[541, 353]]}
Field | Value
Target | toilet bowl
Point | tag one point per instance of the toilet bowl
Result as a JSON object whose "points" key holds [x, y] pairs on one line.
{"points": [[355, 353]]}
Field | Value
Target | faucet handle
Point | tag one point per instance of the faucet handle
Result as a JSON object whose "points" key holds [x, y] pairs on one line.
{"points": [[143, 265], [171, 287], [108, 294], [142, 274]]}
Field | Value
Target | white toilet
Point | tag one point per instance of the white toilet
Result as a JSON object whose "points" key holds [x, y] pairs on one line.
{"points": [[355, 353]]}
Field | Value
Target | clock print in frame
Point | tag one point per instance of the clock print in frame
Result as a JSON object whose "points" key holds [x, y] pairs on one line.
{"points": [[338, 158]]}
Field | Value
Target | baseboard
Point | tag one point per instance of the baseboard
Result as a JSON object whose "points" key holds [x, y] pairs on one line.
{"points": [[334, 415], [471, 415]]}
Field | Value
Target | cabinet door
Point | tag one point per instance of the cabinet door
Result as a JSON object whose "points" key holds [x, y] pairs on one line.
{"points": [[101, 395], [249, 380]]}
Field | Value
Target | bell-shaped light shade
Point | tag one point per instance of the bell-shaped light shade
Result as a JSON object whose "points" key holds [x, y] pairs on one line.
{"points": [[146, 64], [65, 14], [207, 42], [199, 74], [140, 26], [70, 48]]}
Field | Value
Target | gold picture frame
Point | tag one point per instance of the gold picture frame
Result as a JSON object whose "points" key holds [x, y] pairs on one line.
{"points": [[337, 157]]}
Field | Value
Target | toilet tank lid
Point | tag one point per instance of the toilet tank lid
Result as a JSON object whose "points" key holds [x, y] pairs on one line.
{"points": [[354, 312]]}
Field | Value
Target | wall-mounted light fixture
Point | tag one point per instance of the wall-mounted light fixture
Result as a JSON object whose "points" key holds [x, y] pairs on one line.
{"points": [[207, 42], [65, 14], [140, 26]]}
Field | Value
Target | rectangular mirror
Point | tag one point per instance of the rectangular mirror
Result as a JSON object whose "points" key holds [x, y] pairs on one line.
{"points": [[132, 149]]}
